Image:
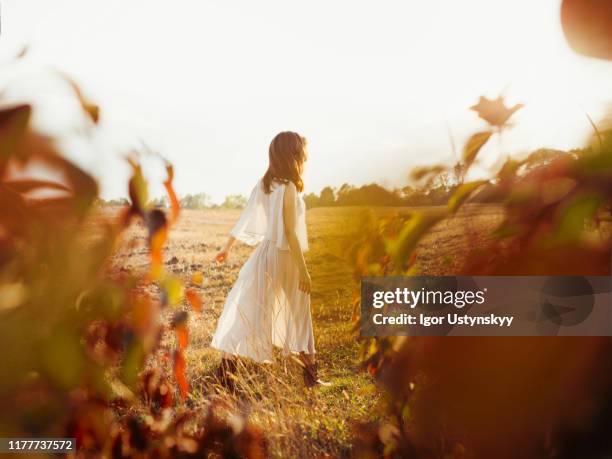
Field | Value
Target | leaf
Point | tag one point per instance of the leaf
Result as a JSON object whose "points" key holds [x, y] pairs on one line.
{"points": [[62, 358], [197, 278], [13, 125], [172, 290], [26, 185], [132, 364], [138, 189], [195, 300], [91, 110], [157, 227], [182, 336], [506, 230], [462, 193], [411, 233], [143, 315], [509, 168], [555, 189], [12, 295], [596, 131], [179, 373], [83, 186], [174, 202], [473, 146], [419, 173], [494, 111], [576, 212]]}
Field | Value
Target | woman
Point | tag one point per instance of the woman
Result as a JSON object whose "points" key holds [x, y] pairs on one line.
{"points": [[269, 305]]}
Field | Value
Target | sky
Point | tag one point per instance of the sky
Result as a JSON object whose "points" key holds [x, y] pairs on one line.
{"points": [[376, 87]]}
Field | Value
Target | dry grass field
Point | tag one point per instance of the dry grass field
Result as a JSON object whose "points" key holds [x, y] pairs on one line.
{"points": [[297, 422]]}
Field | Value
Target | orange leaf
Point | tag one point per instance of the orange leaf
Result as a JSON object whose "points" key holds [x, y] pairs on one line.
{"points": [[174, 203], [494, 111], [194, 299], [91, 109], [473, 146], [142, 314], [182, 336], [158, 233], [179, 373], [197, 278]]}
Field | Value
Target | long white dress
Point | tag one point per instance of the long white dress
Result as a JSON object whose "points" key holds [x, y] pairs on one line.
{"points": [[265, 308]]}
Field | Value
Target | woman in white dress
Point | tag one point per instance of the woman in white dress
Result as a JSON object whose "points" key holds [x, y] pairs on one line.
{"points": [[269, 305]]}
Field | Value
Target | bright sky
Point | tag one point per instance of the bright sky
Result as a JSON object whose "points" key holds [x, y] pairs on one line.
{"points": [[373, 85]]}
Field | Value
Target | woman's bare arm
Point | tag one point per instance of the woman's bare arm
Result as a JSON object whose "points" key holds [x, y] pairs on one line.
{"points": [[289, 219]]}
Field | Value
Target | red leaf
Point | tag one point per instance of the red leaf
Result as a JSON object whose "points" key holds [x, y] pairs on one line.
{"points": [[179, 373], [179, 323], [182, 336]]}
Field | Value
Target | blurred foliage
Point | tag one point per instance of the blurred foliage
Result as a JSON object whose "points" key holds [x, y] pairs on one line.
{"points": [[77, 335], [499, 396], [586, 24]]}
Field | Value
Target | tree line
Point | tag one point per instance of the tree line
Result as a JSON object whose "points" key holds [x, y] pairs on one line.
{"points": [[433, 193], [189, 201], [347, 195], [374, 194]]}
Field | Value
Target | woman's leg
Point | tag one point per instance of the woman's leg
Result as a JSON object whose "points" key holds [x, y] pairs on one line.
{"points": [[310, 372], [307, 359]]}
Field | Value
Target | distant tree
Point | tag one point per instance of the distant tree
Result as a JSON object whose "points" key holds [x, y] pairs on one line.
{"points": [[443, 180], [234, 201], [312, 200], [406, 192], [195, 201], [345, 195], [372, 194], [439, 195], [161, 202], [327, 197], [112, 202]]}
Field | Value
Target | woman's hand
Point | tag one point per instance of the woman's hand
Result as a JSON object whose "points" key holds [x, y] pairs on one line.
{"points": [[221, 257], [305, 282]]}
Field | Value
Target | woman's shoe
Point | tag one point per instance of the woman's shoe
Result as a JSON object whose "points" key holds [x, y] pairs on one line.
{"points": [[311, 376]]}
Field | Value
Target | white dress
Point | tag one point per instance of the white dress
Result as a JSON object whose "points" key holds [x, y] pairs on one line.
{"points": [[265, 308]]}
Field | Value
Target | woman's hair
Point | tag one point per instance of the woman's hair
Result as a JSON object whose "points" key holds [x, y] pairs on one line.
{"points": [[287, 157]]}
